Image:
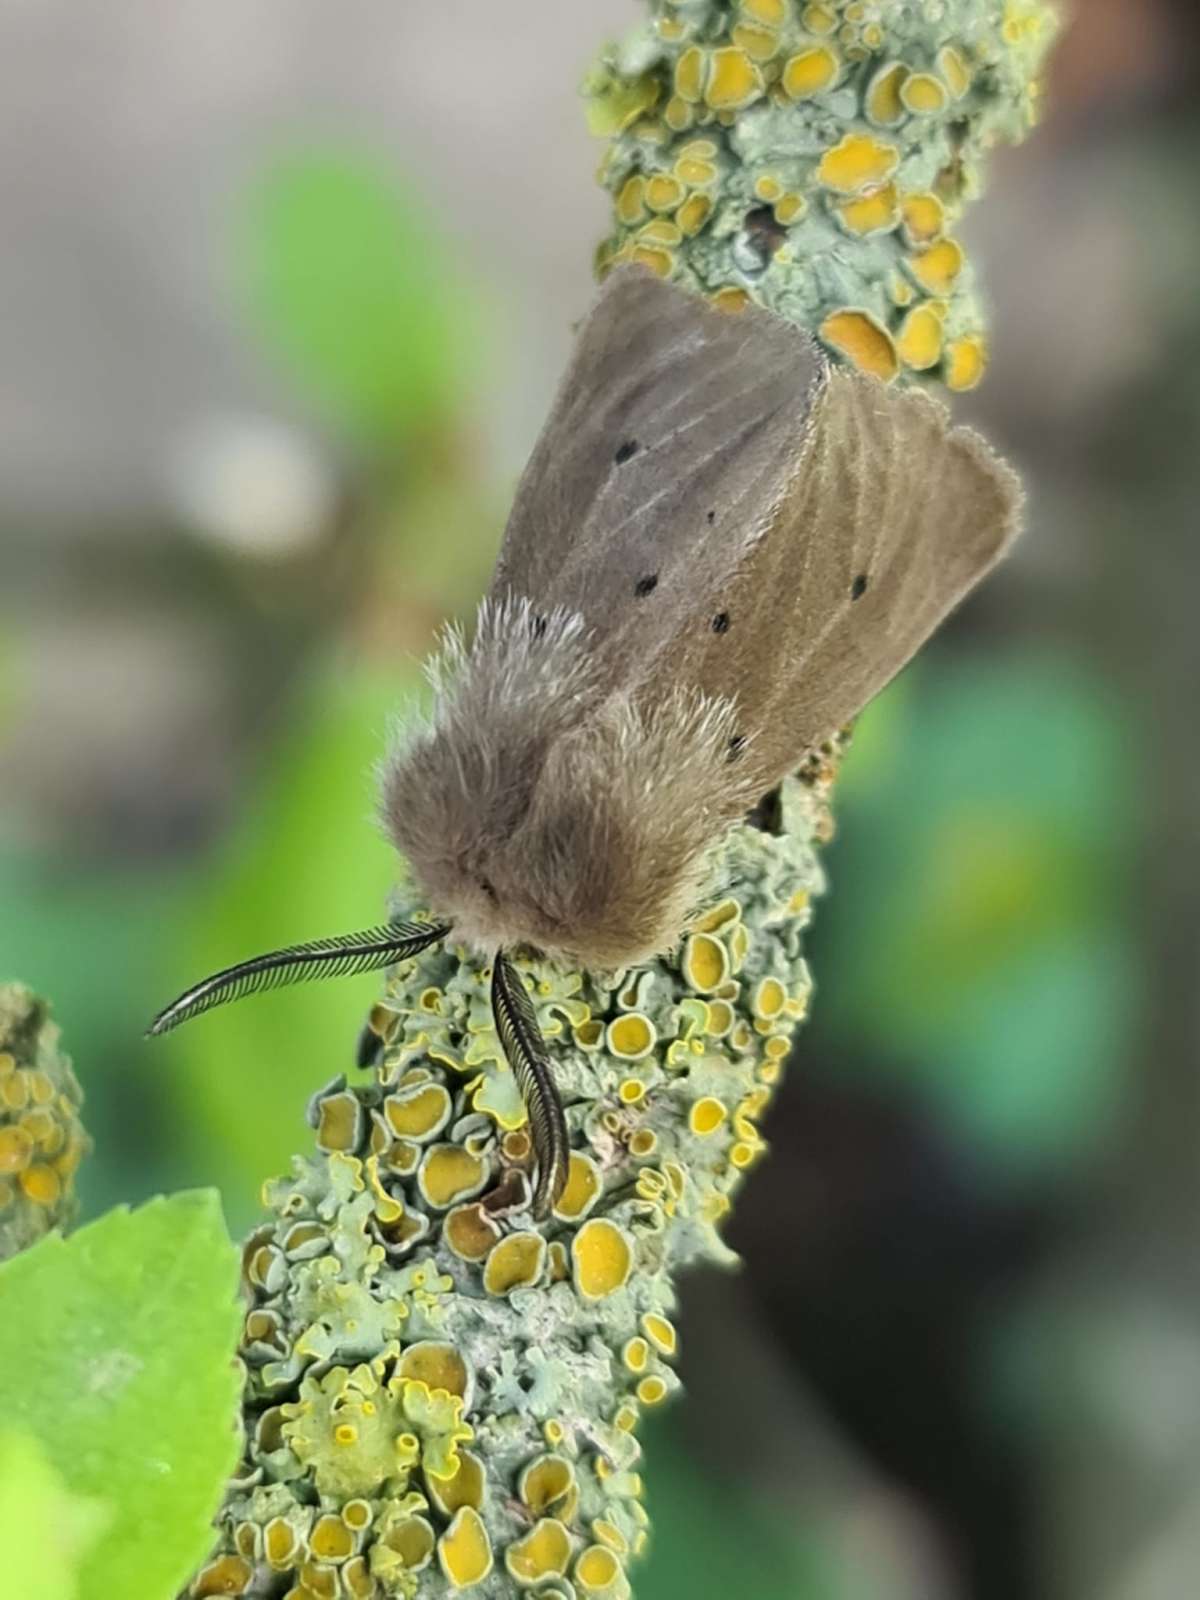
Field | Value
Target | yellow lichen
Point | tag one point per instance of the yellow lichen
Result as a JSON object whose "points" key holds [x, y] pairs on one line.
{"points": [[630, 203], [449, 1173], [41, 1184], [438, 1365], [734, 80], [543, 1553], [663, 192], [412, 1539], [632, 1036], [581, 1189], [769, 12], [419, 1112], [810, 71], [730, 298], [790, 208], [875, 211], [603, 1257], [862, 340], [464, 1488], [954, 70], [546, 1481], [228, 1574], [597, 1569], [883, 104], [470, 1232], [923, 94], [759, 43], [924, 217], [693, 214], [331, 1539], [608, 1533], [819, 19], [698, 172], [339, 1122], [651, 1390], [635, 1354], [280, 1543], [16, 1149], [659, 262], [661, 1333], [966, 360], [768, 998], [464, 1550], [857, 161], [630, 1091], [937, 269], [705, 962], [706, 1116], [515, 1263], [356, 1514], [919, 341], [689, 75], [661, 231]]}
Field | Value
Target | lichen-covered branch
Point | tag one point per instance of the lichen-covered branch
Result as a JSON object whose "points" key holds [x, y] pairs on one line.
{"points": [[42, 1140], [442, 1396]]}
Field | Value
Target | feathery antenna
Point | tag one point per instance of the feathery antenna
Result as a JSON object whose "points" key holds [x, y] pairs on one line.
{"points": [[338, 957], [521, 1038]]}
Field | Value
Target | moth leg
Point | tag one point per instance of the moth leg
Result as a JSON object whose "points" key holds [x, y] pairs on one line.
{"points": [[368, 1051]]}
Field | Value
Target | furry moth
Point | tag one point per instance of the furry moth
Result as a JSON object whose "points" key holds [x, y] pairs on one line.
{"points": [[720, 550]]}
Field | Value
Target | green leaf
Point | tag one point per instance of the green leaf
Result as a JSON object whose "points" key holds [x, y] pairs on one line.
{"points": [[308, 860], [349, 280], [44, 1528], [116, 1355]]}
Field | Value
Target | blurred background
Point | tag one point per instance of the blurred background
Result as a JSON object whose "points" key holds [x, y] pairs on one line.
{"points": [[285, 288]]}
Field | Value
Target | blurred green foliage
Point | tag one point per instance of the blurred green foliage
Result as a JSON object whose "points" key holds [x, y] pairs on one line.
{"points": [[116, 1356], [978, 943], [307, 859], [44, 1528], [349, 278]]}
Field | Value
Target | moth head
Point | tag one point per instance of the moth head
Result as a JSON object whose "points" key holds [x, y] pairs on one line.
{"points": [[592, 844]]}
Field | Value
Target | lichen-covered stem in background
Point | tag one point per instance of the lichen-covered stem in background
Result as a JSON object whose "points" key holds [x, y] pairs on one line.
{"points": [[41, 1136], [442, 1396]]}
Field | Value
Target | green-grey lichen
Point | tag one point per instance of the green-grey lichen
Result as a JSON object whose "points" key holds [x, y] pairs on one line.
{"points": [[817, 158], [41, 1137], [442, 1395]]}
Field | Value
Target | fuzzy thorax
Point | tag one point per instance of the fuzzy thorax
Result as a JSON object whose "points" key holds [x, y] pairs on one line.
{"points": [[541, 806]]}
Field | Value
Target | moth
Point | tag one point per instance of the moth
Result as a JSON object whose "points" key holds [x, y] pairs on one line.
{"points": [[721, 548]]}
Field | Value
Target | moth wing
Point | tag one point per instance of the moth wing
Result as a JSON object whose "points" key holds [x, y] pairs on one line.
{"points": [[670, 443], [891, 517]]}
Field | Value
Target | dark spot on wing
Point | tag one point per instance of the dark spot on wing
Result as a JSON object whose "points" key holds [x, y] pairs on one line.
{"points": [[720, 623], [624, 451], [711, 518], [859, 587], [736, 745], [489, 889], [538, 626], [646, 585]]}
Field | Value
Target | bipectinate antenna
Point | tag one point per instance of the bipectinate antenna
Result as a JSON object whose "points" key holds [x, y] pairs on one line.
{"points": [[338, 957], [522, 1041]]}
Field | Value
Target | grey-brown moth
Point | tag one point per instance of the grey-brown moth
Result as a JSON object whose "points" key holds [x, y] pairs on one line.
{"points": [[721, 548]]}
